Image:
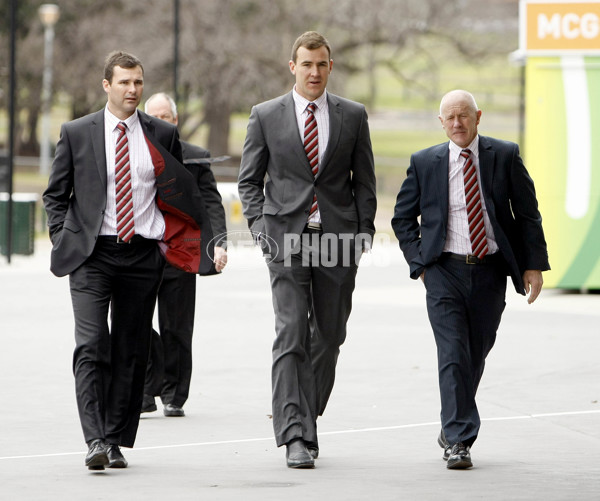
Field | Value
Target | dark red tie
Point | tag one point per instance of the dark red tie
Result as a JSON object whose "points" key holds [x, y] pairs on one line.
{"points": [[123, 191], [311, 146], [474, 209]]}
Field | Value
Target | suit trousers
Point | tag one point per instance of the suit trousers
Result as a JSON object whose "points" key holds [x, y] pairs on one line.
{"points": [[169, 371], [312, 304], [109, 364], [465, 304]]}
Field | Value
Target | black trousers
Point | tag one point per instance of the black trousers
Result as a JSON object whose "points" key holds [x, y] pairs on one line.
{"points": [[109, 362], [312, 304], [169, 371], [465, 304]]}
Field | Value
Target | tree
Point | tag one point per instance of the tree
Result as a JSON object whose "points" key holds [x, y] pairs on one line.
{"points": [[234, 53]]}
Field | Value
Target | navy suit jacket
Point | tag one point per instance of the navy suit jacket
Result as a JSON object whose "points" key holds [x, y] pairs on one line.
{"points": [[510, 200]]}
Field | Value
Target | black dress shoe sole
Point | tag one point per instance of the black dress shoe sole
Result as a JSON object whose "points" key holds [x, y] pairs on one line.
{"points": [[301, 466], [174, 413], [98, 462]]}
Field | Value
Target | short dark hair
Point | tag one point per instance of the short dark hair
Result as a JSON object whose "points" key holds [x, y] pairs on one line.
{"points": [[310, 40], [122, 59]]}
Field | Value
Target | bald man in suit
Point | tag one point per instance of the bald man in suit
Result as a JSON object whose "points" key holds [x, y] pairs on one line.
{"points": [[463, 252]]}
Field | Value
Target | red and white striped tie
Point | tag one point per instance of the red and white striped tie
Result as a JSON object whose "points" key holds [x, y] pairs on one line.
{"points": [[311, 146], [123, 191], [479, 244]]}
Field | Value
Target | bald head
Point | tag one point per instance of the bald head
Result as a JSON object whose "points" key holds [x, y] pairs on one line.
{"points": [[162, 106], [460, 117]]}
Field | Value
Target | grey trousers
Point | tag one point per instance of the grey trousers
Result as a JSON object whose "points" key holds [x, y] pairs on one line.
{"points": [[312, 304]]}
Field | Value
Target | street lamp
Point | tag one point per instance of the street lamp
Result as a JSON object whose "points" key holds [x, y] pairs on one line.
{"points": [[49, 14]]}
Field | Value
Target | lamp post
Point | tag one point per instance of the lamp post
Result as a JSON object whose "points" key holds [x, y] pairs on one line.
{"points": [[49, 14]]}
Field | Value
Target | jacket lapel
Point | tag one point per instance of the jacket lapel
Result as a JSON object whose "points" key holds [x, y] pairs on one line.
{"points": [[335, 129], [289, 128], [97, 133], [486, 171], [440, 173]]}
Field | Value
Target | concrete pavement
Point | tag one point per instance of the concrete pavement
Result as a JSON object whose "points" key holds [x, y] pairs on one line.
{"points": [[539, 399]]}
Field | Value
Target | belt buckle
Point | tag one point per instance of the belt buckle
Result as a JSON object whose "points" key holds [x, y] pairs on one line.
{"points": [[314, 226], [121, 241], [471, 259]]}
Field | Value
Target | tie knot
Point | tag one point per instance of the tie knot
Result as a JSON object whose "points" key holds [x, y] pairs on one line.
{"points": [[122, 127], [465, 153], [311, 107]]}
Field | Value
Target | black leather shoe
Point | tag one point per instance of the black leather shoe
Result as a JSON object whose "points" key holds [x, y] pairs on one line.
{"points": [[460, 457], [313, 451], [297, 455], [171, 410], [443, 443], [148, 404], [96, 458], [115, 458]]}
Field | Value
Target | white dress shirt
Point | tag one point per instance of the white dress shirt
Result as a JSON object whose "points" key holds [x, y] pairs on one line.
{"points": [[458, 240], [322, 117], [149, 221]]}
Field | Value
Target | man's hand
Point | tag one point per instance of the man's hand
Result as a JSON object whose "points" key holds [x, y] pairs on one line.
{"points": [[220, 258], [533, 284]]}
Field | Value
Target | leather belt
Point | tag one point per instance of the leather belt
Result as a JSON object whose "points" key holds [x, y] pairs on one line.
{"points": [[471, 259], [135, 239]]}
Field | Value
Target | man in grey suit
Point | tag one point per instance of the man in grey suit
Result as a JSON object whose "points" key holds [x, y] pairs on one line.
{"points": [[119, 202], [466, 217], [307, 186]]}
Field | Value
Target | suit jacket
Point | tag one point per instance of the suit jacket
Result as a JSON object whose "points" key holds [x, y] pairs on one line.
{"points": [[510, 200], [345, 183], [75, 198], [205, 180]]}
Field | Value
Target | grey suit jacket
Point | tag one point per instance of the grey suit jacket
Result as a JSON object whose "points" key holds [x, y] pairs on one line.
{"points": [[510, 200], [276, 184]]}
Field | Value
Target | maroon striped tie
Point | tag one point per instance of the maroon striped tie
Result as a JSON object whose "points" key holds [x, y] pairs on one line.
{"points": [[311, 146], [123, 191], [474, 209]]}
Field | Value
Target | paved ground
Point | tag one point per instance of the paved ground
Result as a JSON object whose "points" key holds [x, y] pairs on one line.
{"points": [[540, 437]]}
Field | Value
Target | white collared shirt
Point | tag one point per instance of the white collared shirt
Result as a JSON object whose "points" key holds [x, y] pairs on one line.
{"points": [[458, 240], [322, 117], [149, 221]]}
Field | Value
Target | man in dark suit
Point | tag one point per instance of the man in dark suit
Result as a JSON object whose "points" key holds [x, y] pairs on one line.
{"points": [[119, 202], [170, 365], [479, 222], [313, 216]]}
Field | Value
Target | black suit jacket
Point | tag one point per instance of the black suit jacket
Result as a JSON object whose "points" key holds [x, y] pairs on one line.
{"points": [[510, 200], [345, 183], [75, 198], [205, 180]]}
